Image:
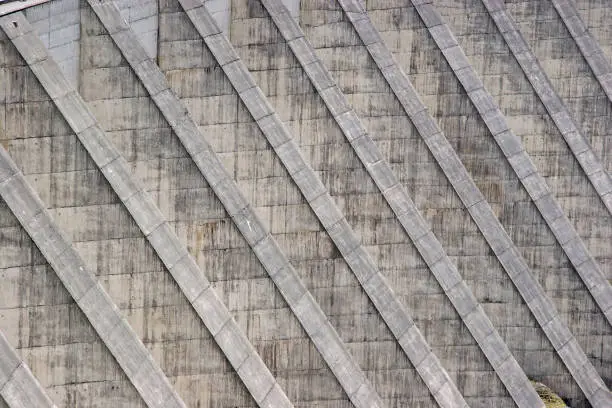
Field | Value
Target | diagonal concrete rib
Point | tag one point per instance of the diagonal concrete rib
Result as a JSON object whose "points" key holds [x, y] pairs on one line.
{"points": [[181, 265], [505, 250], [303, 304], [578, 144], [395, 194], [591, 51], [18, 387], [521, 163], [106, 319], [371, 280]]}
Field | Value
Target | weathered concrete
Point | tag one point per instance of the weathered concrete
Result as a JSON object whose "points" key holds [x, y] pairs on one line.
{"points": [[592, 52], [18, 387], [175, 257], [52, 335], [573, 136], [415, 226], [264, 246], [104, 316], [465, 187], [536, 187]]}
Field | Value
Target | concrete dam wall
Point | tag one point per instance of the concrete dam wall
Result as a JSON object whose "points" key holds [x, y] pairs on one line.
{"points": [[305, 203]]}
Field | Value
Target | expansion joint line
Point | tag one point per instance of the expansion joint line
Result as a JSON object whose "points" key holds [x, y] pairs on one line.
{"points": [[578, 144], [394, 193], [140, 367], [245, 360], [521, 163], [588, 45], [18, 386]]}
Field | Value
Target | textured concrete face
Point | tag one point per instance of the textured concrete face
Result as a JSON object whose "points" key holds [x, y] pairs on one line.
{"points": [[63, 351], [404, 35]]}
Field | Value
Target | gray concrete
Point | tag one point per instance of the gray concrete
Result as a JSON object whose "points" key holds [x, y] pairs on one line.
{"points": [[591, 50], [588, 159], [18, 387], [539, 304], [374, 283], [104, 316], [173, 254], [308, 312], [566, 235], [415, 226]]}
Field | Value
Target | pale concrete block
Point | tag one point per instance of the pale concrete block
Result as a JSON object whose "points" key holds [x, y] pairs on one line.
{"points": [[494, 349], [335, 100], [309, 184], [468, 191], [535, 186], [9, 360], [129, 352], [209, 163], [251, 227], [478, 323], [430, 371], [239, 76], [201, 18], [167, 245], [270, 255], [381, 54], [231, 197], [445, 272], [276, 398], [170, 106], [343, 236], [75, 112], [495, 121], [351, 126], [211, 310], [221, 48], [490, 226], [144, 211], [542, 308], [521, 164], [573, 356], [189, 277], [366, 31], [382, 175], [131, 49], [388, 305], [319, 75], [8, 168], [443, 36], [557, 332], [288, 27], [234, 343], [24, 391], [257, 378], [367, 150], [415, 346], [303, 50], [151, 76], [430, 248], [100, 310], [429, 15], [29, 46], [361, 264], [469, 79], [21, 198], [326, 210], [98, 146], [121, 179], [289, 284], [154, 386], [256, 103], [51, 78], [456, 58], [274, 130], [110, 16]]}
